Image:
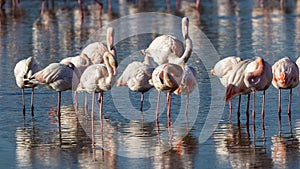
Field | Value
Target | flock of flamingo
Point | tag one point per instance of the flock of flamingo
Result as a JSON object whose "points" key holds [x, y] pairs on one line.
{"points": [[164, 67], [95, 70]]}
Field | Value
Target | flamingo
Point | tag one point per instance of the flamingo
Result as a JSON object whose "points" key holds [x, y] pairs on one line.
{"points": [[95, 51], [258, 76], [285, 76], [166, 78], [136, 76], [58, 77], [99, 78], [168, 49], [236, 85], [22, 71], [222, 70], [188, 83], [81, 62]]}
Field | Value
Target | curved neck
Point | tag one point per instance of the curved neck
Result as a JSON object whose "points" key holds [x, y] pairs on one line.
{"points": [[188, 50], [259, 71], [109, 70]]}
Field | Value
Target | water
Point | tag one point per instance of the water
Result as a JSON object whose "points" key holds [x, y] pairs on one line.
{"points": [[129, 138]]}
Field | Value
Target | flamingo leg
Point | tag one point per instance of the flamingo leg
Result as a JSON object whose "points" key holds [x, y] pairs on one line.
{"points": [[290, 103], [142, 100], [86, 102], [58, 104], [23, 101], [32, 99], [76, 101], [253, 107], [263, 108], [247, 109], [279, 105], [157, 105], [169, 97], [93, 102], [239, 107], [93, 134], [230, 109], [80, 2], [100, 99]]}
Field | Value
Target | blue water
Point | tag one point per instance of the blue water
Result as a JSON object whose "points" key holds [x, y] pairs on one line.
{"points": [[128, 138]]}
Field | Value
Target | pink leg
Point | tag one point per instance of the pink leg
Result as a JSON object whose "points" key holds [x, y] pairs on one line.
{"points": [[76, 101], [32, 99], [230, 109], [253, 108], [23, 101], [169, 97], [109, 4], [93, 134], [93, 102], [197, 4], [157, 106], [279, 104]]}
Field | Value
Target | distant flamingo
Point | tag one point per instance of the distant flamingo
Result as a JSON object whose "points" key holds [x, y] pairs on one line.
{"points": [[95, 51], [166, 78], [99, 78], [222, 70], [236, 85], [58, 77], [168, 49], [136, 76], [285, 76], [258, 76], [22, 71]]}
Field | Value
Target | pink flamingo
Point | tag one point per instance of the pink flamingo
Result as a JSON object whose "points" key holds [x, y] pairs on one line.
{"points": [[222, 70], [136, 77], [81, 62], [58, 77], [285, 76], [258, 76], [168, 49], [166, 78], [188, 84], [236, 85], [99, 78], [22, 71]]}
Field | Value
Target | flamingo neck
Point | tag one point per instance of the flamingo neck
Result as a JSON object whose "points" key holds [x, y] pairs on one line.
{"points": [[188, 50], [259, 71], [109, 68]]}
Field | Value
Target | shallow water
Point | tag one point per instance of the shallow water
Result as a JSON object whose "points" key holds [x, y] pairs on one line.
{"points": [[129, 138]]}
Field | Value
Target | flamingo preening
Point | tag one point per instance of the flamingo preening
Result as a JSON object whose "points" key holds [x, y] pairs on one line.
{"points": [[22, 71]]}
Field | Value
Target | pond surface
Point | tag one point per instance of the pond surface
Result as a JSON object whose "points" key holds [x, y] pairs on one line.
{"points": [[126, 137]]}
